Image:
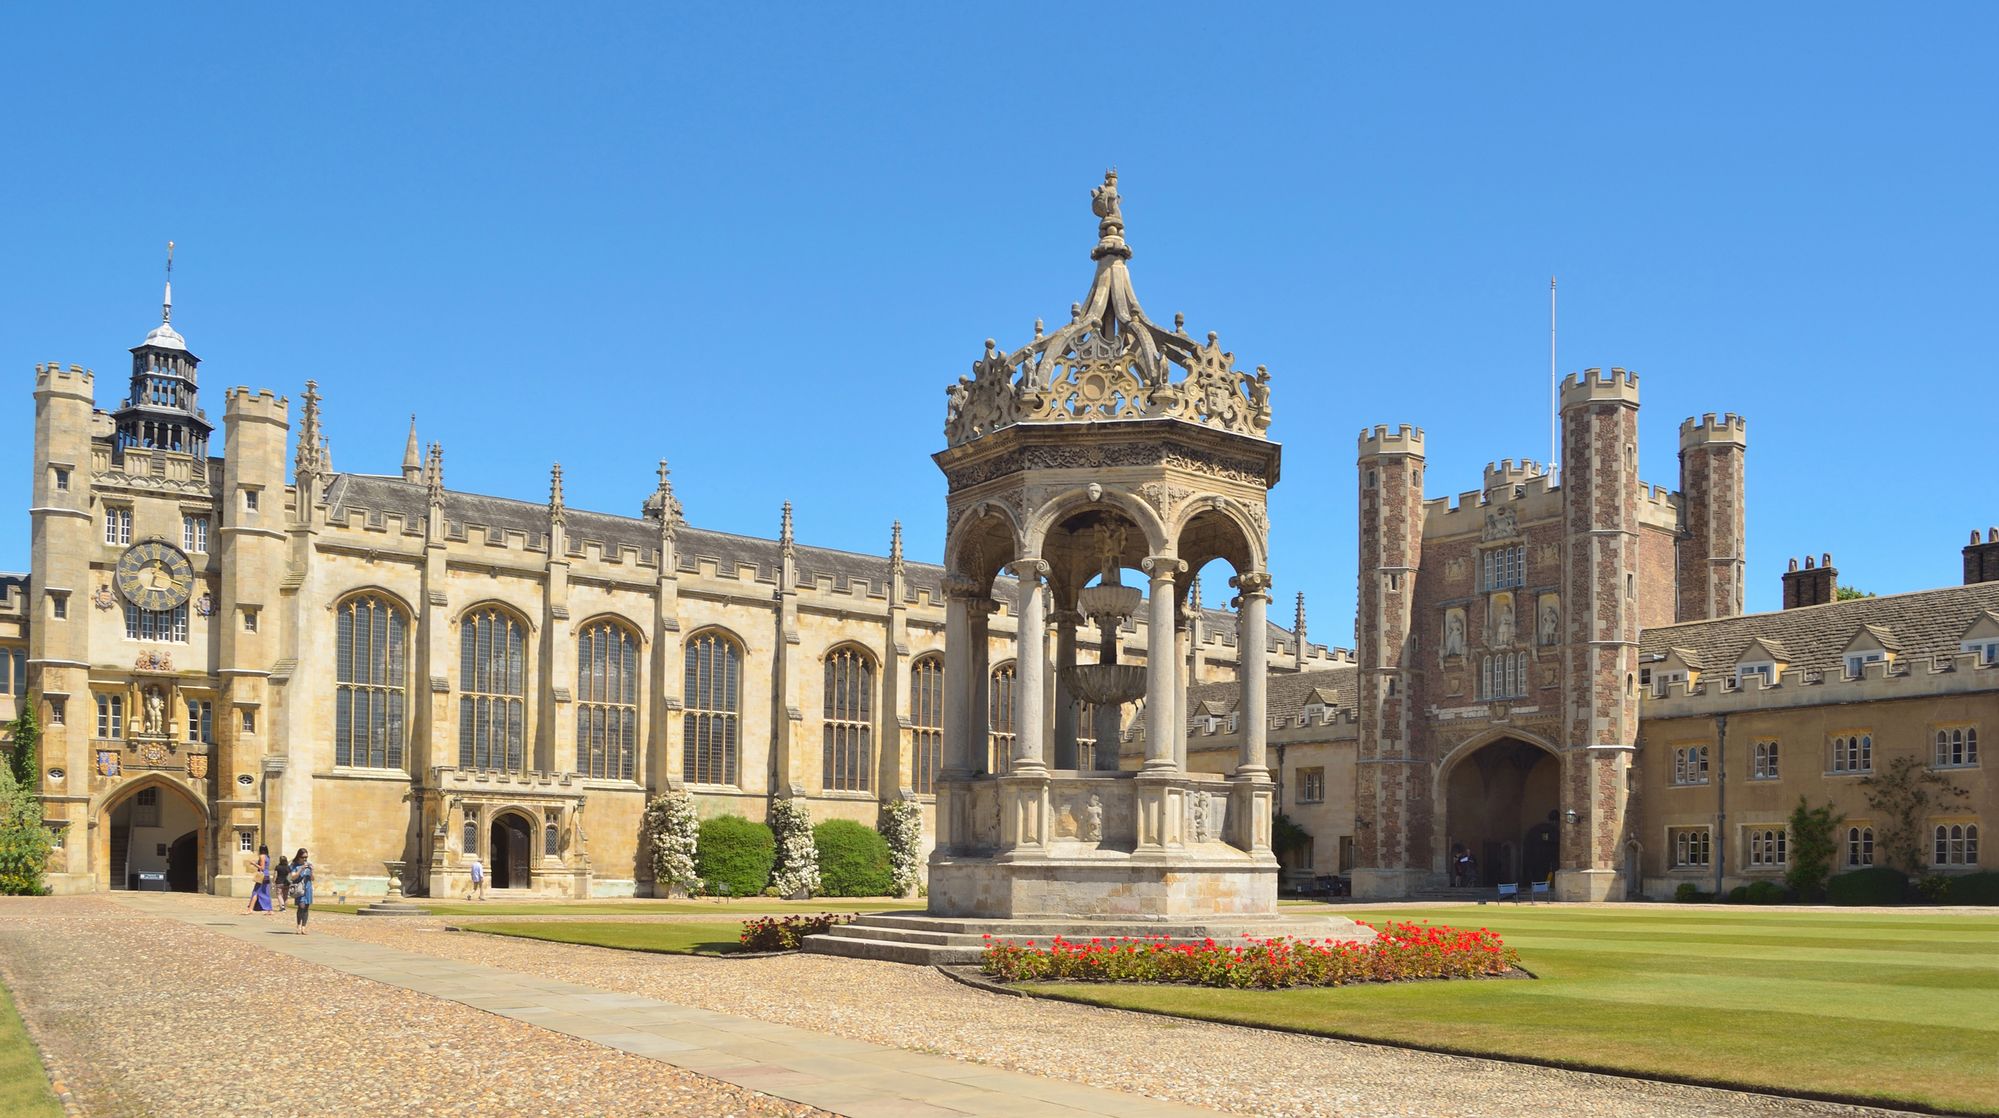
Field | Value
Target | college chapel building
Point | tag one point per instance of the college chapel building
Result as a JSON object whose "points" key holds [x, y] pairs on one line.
{"points": [[1553, 671]]}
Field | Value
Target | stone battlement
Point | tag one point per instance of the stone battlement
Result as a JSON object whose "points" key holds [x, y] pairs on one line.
{"points": [[1905, 678], [241, 402], [1505, 472], [1595, 386], [1383, 440], [1729, 430], [75, 380]]}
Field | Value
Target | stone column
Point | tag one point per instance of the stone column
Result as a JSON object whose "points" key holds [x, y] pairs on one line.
{"points": [[1183, 645], [958, 760], [1029, 690], [978, 713], [1065, 703], [1253, 673], [1161, 673]]}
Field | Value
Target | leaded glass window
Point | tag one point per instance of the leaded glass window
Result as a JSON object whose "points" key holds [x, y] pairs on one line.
{"points": [[607, 702], [370, 664], [999, 719], [713, 697], [847, 759], [926, 720], [492, 691]]}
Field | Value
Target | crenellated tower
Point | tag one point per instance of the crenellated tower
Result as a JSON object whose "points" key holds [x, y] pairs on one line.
{"points": [[1600, 506], [1391, 785], [1711, 515]]}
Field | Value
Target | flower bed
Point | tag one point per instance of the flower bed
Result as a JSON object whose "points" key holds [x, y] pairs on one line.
{"points": [[787, 933], [1399, 951]]}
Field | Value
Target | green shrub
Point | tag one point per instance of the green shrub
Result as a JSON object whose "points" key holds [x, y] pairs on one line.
{"points": [[1935, 888], [786, 933], [1876, 885], [734, 856], [1689, 893], [1739, 895], [853, 860], [1764, 892], [1975, 888]]}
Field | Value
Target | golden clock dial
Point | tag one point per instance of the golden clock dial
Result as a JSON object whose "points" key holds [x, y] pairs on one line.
{"points": [[154, 575]]}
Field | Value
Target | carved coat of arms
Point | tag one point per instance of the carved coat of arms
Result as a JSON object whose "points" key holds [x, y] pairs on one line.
{"points": [[197, 765]]}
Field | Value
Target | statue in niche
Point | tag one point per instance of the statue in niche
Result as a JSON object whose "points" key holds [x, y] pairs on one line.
{"points": [[1093, 819], [1502, 623], [1454, 632], [1202, 826], [1551, 620], [156, 711]]}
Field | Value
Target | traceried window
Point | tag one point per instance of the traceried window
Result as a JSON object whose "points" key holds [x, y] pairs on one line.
{"points": [[471, 838], [1763, 761], [1956, 844], [607, 702], [1859, 846], [1504, 676], [194, 533], [926, 722], [710, 724], [1853, 753], [492, 688], [999, 720], [1690, 764], [1957, 747], [168, 625], [117, 524], [1692, 847], [1767, 848], [847, 754], [110, 715], [1503, 567], [371, 683]]}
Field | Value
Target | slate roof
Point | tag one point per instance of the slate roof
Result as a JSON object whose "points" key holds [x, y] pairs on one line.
{"points": [[383, 495], [1918, 624], [1288, 694]]}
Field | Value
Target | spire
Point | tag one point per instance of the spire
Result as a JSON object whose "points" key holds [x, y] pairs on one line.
{"points": [[1194, 594], [784, 533], [412, 454], [310, 463], [1298, 625], [895, 546], [433, 475], [167, 303], [555, 509], [662, 506]]}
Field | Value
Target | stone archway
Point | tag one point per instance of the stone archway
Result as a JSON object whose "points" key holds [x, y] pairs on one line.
{"points": [[152, 835], [1502, 802], [513, 847]]}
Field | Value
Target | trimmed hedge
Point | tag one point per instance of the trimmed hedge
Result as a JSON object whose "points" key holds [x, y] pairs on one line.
{"points": [[1975, 888], [1765, 892], [734, 856], [853, 860], [1876, 885]]}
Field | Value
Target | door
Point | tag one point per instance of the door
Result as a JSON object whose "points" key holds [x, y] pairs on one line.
{"points": [[513, 852], [183, 874]]}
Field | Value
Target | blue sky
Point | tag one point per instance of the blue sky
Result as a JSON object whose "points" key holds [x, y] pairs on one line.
{"points": [[761, 241]]}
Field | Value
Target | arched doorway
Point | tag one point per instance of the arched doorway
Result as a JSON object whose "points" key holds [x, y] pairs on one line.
{"points": [[513, 851], [152, 841], [1503, 804]]}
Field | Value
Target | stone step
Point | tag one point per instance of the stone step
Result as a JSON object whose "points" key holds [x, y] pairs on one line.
{"points": [[860, 930], [892, 951], [392, 908]]}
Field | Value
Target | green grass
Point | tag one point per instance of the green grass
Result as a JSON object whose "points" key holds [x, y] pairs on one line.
{"points": [[1885, 1007], [680, 938], [733, 909], [24, 1086]]}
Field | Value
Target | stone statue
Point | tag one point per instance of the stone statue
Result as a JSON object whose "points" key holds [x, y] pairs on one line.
{"points": [[1551, 620], [1502, 626], [957, 395], [1454, 633], [1202, 826], [156, 711], [1104, 199], [1093, 822]]}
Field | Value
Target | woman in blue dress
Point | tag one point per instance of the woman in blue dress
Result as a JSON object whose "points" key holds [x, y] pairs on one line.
{"points": [[260, 893], [301, 882]]}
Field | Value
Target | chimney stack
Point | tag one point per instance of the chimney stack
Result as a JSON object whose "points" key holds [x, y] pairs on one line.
{"points": [[1981, 560], [1813, 586]]}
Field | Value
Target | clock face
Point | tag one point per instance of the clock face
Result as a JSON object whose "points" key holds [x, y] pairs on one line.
{"points": [[155, 576]]}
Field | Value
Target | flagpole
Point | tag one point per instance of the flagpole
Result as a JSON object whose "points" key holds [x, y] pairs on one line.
{"points": [[1554, 391]]}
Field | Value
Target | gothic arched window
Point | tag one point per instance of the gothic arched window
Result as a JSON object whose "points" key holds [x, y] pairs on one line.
{"points": [[370, 689], [926, 720], [607, 701], [712, 697], [492, 690], [847, 760], [999, 719]]}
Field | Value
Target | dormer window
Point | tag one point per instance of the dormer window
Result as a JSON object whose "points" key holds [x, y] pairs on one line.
{"points": [[1765, 670], [1856, 662], [1986, 649], [1661, 680]]}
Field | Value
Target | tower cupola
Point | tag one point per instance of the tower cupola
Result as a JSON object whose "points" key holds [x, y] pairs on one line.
{"points": [[161, 412]]}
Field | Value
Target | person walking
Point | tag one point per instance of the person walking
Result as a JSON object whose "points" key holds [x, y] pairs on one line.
{"points": [[478, 871], [260, 891], [301, 880], [281, 882]]}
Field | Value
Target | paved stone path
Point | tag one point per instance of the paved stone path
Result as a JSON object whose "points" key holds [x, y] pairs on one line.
{"points": [[844, 1076]]}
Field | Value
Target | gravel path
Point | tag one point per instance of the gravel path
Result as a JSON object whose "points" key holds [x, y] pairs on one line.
{"points": [[159, 1018], [1233, 1069]]}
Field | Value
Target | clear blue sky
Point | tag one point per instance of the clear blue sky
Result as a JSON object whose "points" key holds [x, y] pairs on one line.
{"points": [[760, 242]]}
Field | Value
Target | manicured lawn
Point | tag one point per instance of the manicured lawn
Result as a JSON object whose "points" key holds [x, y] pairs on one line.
{"points": [[1878, 1006], [679, 938], [24, 1086], [754, 906]]}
